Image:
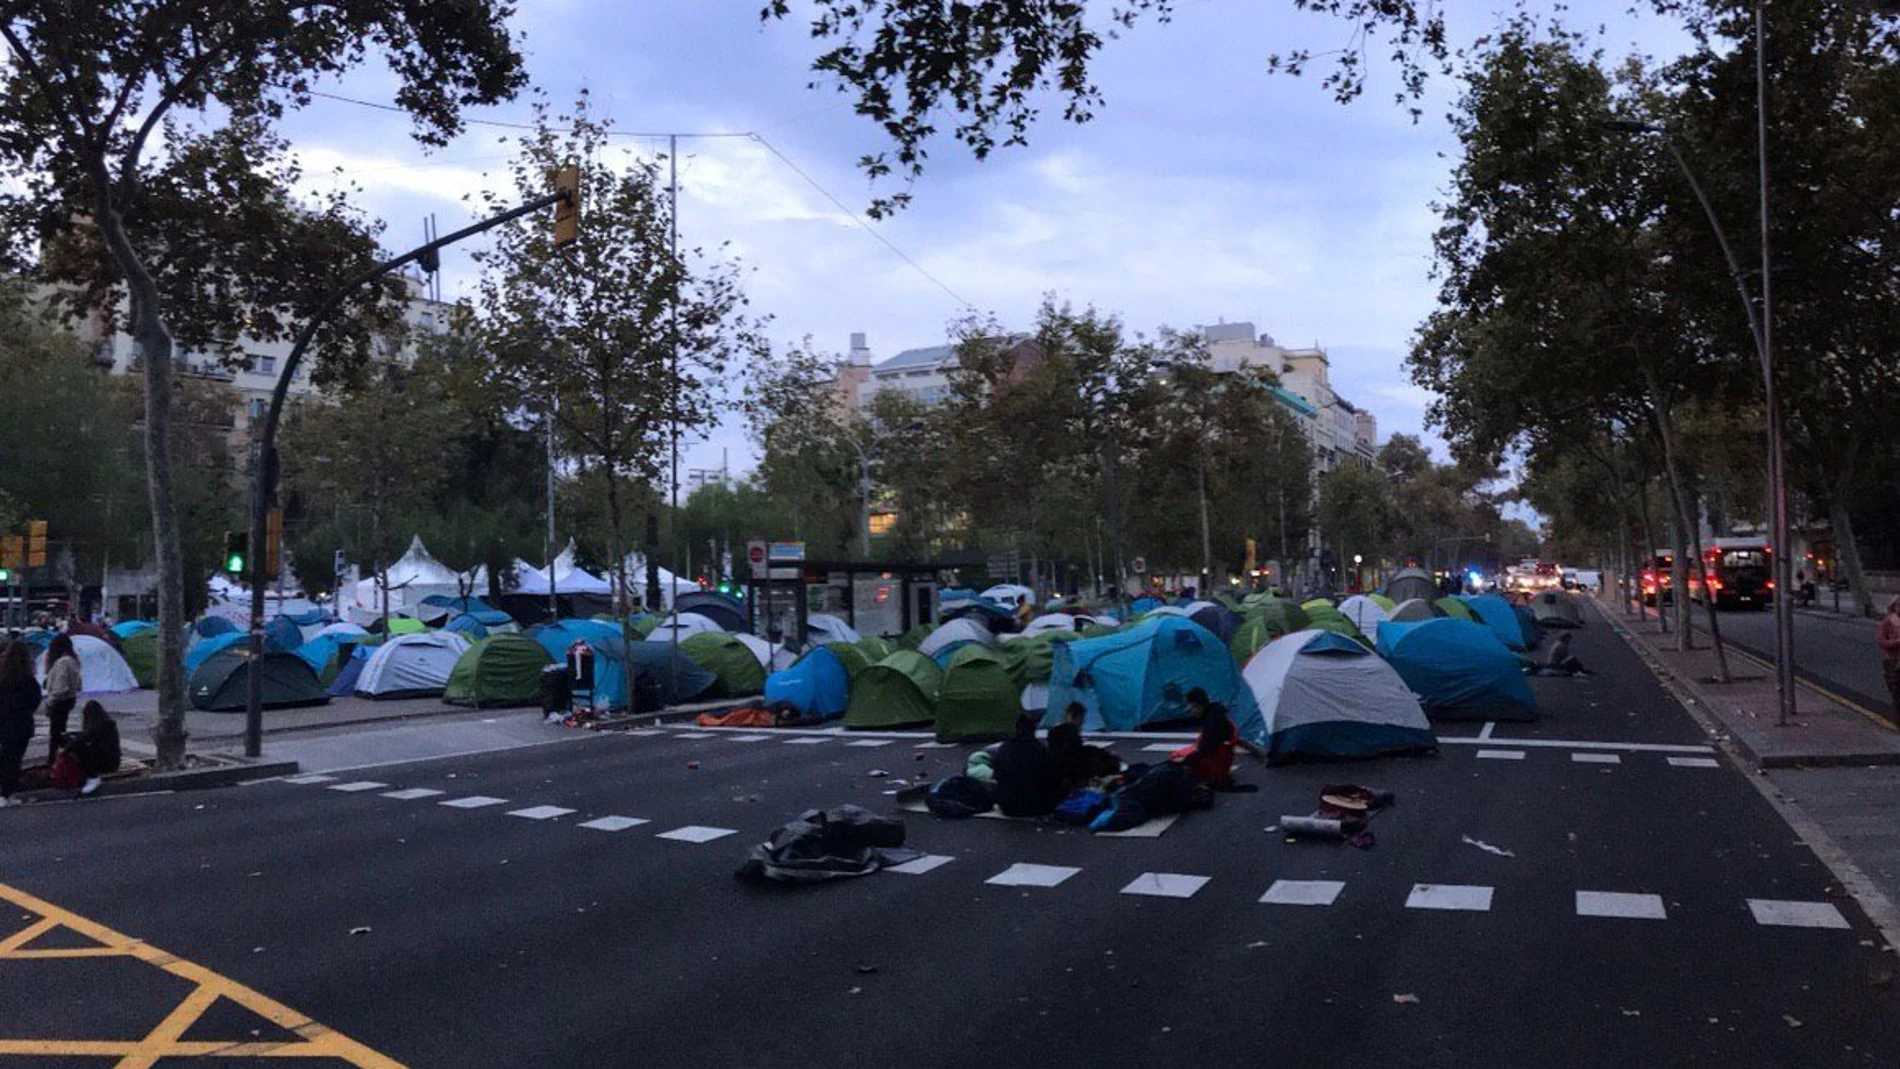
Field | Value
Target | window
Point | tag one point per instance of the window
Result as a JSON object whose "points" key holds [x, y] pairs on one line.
{"points": [[883, 523], [257, 409], [427, 321], [263, 365]]}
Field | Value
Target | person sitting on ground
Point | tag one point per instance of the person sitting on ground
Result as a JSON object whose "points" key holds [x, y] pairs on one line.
{"points": [[96, 747], [1028, 781], [19, 697], [1210, 760], [1561, 661], [1079, 763]]}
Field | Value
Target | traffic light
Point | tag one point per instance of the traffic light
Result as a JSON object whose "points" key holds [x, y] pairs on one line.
{"points": [[567, 213], [12, 551], [6, 575], [36, 543], [237, 551]]}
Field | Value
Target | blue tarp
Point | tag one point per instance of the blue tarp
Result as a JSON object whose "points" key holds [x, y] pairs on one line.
{"points": [[817, 685], [201, 650], [282, 635], [1497, 614], [1458, 669], [1142, 676], [128, 628]]}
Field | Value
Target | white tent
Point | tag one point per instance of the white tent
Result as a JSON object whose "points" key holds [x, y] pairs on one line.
{"points": [[772, 658], [344, 630], [824, 627], [569, 577], [415, 576], [1556, 608], [1415, 609], [1006, 594], [1365, 614], [671, 585], [1323, 695], [411, 666], [961, 629], [1167, 610], [1055, 621], [101, 669], [687, 623]]}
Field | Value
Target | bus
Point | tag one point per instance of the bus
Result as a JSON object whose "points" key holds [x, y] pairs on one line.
{"points": [[1659, 577], [1739, 573]]}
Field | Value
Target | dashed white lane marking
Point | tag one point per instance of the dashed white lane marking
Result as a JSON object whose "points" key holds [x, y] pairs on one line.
{"points": [[1596, 758], [869, 742], [1303, 892], [1449, 896], [540, 812], [1578, 744], [1694, 762], [1485, 731], [694, 735], [747, 738], [613, 823], [806, 740], [1502, 755], [1026, 875], [1161, 747], [646, 732], [933, 745], [311, 778], [696, 833], [1796, 914], [1621, 904], [413, 793], [921, 865], [1165, 885], [474, 801], [359, 785]]}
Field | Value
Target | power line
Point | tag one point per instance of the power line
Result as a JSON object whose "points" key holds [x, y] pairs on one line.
{"points": [[750, 136]]}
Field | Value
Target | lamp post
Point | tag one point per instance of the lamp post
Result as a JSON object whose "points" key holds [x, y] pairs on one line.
{"points": [[1761, 329]]}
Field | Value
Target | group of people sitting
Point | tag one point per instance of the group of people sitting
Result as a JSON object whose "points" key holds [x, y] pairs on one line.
{"points": [[79, 760], [1034, 779]]}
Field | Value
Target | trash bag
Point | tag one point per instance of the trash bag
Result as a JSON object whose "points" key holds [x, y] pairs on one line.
{"points": [[826, 845], [956, 797]]}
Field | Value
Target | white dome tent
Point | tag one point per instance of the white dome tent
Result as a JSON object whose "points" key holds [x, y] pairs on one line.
{"points": [[1325, 696], [415, 665], [101, 669]]}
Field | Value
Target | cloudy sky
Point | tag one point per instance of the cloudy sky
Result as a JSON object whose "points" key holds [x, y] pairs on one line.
{"points": [[1205, 190]]}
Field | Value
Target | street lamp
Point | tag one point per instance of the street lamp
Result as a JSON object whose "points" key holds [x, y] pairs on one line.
{"points": [[1761, 328]]}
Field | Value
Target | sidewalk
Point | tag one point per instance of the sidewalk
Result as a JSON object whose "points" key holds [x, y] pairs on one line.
{"points": [[1822, 732]]}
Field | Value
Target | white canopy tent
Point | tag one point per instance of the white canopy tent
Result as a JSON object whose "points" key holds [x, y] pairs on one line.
{"points": [[568, 577], [686, 623], [415, 576]]}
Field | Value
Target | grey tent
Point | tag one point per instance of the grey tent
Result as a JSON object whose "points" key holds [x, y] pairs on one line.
{"points": [[1555, 608], [1411, 583], [1415, 610]]}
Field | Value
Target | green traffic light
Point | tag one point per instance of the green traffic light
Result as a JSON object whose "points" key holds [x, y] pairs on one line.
{"points": [[234, 564], [6, 575]]}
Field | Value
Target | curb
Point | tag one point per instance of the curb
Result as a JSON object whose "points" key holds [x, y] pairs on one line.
{"points": [[191, 779]]}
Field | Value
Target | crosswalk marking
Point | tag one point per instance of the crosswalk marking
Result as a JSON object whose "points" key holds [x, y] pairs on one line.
{"points": [[412, 793], [870, 742], [613, 823], [646, 732], [934, 745], [921, 865], [1165, 885], [359, 785], [806, 740], [1596, 758], [1161, 747], [1786, 914], [311, 778], [540, 812], [1695, 762], [1502, 755], [747, 738], [1303, 892], [474, 801], [1621, 904], [694, 735], [1022, 874], [696, 833], [1449, 896]]}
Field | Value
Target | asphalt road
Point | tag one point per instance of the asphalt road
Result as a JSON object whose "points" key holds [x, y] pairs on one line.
{"points": [[1838, 654], [487, 938]]}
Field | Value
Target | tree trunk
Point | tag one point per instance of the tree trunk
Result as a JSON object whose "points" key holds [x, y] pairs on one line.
{"points": [[1847, 551], [616, 543], [1685, 526], [1648, 556], [154, 343]]}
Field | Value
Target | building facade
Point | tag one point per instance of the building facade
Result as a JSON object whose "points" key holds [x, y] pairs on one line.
{"points": [[1337, 431]]}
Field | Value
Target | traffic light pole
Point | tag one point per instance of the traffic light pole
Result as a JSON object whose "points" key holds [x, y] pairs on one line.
{"points": [[264, 471]]}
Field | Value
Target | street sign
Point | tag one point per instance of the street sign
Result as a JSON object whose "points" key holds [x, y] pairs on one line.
{"points": [[755, 556], [786, 560]]}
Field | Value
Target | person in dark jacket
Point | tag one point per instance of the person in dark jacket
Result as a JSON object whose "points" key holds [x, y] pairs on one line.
{"points": [[19, 699], [96, 747], [1079, 763], [1028, 781]]}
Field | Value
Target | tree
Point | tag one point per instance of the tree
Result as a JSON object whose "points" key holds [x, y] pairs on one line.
{"points": [[183, 226], [906, 63], [1355, 512], [628, 334], [809, 449]]}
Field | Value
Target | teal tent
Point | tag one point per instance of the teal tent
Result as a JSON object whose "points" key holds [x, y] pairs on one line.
{"points": [[1458, 669], [1142, 675], [221, 684], [1497, 614], [818, 685], [206, 648]]}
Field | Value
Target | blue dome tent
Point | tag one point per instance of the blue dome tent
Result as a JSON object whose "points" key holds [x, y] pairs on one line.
{"points": [[817, 685], [1458, 669], [1496, 613], [1142, 675], [203, 649]]}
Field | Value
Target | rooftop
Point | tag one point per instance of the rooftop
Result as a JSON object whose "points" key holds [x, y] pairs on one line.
{"points": [[928, 356]]}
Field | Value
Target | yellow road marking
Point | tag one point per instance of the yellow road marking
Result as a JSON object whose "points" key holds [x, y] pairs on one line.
{"points": [[164, 1041], [1876, 718]]}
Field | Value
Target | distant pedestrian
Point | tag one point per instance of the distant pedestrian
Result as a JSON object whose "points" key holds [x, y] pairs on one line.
{"points": [[63, 685], [19, 697], [1888, 638]]}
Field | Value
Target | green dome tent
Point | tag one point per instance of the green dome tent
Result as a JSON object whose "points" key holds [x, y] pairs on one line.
{"points": [[914, 638], [1281, 615], [852, 656], [979, 701], [1383, 602], [876, 648], [736, 670], [1455, 609], [497, 672], [140, 650], [900, 690], [222, 683]]}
